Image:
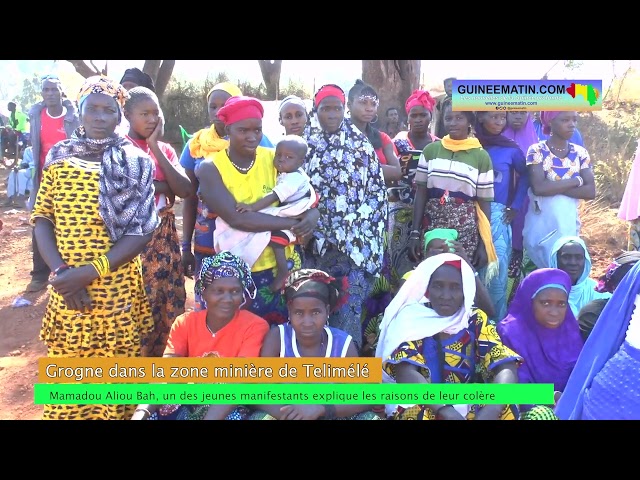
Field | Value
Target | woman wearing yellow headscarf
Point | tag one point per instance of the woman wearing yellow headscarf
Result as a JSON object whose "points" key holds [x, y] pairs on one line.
{"points": [[197, 223]]}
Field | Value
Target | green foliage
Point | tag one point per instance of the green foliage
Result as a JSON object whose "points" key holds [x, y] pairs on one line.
{"points": [[31, 93], [184, 103]]}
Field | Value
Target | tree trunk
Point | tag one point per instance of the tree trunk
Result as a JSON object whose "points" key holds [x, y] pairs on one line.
{"points": [[271, 75], [160, 71], [394, 80]]}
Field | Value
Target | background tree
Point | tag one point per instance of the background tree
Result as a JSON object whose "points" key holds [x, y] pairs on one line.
{"points": [[271, 75], [159, 70], [394, 80], [31, 93]]}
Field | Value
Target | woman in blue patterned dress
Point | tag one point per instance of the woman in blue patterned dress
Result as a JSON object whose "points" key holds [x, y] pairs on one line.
{"points": [[345, 172]]}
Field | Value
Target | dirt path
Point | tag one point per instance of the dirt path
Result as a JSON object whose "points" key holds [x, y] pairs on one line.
{"points": [[19, 327]]}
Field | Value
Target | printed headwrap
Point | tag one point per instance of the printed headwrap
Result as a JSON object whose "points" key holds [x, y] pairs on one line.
{"points": [[228, 87], [225, 265], [309, 282], [104, 85], [420, 98], [616, 271], [545, 118], [329, 90], [240, 108]]}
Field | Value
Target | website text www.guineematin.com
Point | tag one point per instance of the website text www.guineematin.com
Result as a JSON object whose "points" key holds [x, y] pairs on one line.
{"points": [[515, 103]]}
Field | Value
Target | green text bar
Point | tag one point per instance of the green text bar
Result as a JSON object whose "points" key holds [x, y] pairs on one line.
{"points": [[277, 393]]}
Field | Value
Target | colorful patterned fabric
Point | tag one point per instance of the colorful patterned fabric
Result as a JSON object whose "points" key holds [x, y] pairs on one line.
{"points": [[369, 415], [457, 215], [163, 276], [338, 264], [121, 316], [126, 193], [469, 356], [225, 265], [195, 412], [539, 412], [465, 174], [353, 206], [559, 168], [105, 86], [267, 304], [308, 282], [501, 235]]}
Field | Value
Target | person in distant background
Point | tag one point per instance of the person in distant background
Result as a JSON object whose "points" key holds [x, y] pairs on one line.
{"points": [[20, 180], [52, 120], [394, 123], [438, 125], [18, 120]]}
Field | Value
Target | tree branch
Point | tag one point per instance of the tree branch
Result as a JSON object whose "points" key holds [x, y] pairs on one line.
{"points": [[83, 69]]}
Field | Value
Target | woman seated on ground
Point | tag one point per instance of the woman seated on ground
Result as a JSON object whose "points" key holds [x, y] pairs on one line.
{"points": [[433, 313], [541, 327], [608, 282], [311, 296], [571, 255], [222, 329], [20, 181], [439, 240], [605, 381]]}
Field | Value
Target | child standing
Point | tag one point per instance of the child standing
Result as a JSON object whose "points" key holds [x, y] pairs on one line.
{"points": [[295, 195], [161, 260]]}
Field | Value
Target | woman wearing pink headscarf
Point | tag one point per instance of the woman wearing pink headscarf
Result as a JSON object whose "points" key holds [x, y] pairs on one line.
{"points": [[630, 205], [419, 107], [560, 175]]}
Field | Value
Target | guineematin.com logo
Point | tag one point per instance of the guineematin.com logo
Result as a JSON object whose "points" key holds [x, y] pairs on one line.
{"points": [[526, 95]]}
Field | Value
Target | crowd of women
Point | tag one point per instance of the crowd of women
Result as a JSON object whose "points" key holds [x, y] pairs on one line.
{"points": [[454, 259]]}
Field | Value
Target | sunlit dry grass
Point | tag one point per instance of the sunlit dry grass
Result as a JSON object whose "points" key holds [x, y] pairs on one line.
{"points": [[603, 232]]}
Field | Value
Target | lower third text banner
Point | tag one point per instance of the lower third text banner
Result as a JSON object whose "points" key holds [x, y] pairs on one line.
{"points": [[303, 393]]}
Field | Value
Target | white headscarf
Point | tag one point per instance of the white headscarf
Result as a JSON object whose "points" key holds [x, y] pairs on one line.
{"points": [[408, 318]]}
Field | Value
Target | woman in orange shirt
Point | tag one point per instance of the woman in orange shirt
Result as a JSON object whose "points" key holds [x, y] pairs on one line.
{"points": [[222, 329]]}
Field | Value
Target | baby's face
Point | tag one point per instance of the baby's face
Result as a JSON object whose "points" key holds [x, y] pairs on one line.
{"points": [[288, 158]]}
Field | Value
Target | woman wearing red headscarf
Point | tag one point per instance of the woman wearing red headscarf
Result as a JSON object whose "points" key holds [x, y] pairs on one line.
{"points": [[350, 238], [242, 173], [560, 175], [419, 107]]}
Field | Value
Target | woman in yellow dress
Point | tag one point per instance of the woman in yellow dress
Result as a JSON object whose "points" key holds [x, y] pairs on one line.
{"points": [[94, 214]]}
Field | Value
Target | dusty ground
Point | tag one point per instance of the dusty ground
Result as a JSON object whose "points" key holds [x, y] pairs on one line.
{"points": [[20, 347], [19, 327]]}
